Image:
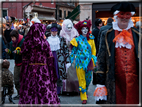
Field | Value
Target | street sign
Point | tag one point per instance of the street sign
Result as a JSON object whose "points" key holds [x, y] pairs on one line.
{"points": [[28, 9]]}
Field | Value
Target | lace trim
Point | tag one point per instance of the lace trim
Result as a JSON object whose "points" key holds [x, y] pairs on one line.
{"points": [[101, 98], [100, 90], [127, 45], [115, 25], [98, 85], [54, 42]]}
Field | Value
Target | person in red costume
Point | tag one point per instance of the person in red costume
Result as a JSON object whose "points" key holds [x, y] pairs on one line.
{"points": [[118, 60]]}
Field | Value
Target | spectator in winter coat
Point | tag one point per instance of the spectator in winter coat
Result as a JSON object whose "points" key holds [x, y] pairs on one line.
{"points": [[15, 50], [108, 26], [95, 32]]}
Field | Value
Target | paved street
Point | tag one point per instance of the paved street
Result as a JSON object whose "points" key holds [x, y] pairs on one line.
{"points": [[66, 100]]}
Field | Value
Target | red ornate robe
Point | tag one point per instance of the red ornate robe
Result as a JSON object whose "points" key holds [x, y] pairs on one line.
{"points": [[127, 81]]}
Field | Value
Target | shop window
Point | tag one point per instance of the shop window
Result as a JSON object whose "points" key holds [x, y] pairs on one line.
{"points": [[60, 13], [64, 14], [4, 13], [69, 12]]}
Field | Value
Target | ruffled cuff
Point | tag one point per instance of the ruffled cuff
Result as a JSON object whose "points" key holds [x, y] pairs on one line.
{"points": [[100, 92]]}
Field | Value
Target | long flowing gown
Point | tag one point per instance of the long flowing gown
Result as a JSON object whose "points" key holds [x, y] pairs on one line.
{"points": [[38, 74]]}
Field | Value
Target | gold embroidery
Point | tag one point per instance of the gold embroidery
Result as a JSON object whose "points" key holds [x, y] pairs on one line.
{"points": [[24, 59], [50, 57], [37, 64], [100, 72], [107, 42]]}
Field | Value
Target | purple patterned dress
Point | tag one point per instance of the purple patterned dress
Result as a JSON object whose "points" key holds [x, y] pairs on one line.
{"points": [[38, 74]]}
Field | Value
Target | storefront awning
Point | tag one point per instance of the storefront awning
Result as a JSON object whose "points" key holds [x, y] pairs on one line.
{"points": [[46, 18], [74, 13]]}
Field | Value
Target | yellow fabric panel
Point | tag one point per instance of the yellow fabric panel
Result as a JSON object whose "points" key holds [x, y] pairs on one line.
{"points": [[73, 42], [82, 82], [93, 62], [93, 48]]}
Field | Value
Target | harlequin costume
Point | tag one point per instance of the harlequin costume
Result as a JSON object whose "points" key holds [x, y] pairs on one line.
{"points": [[118, 61], [84, 50], [38, 73]]}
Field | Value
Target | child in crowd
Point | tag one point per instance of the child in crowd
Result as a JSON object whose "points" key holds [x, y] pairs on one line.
{"points": [[7, 79]]}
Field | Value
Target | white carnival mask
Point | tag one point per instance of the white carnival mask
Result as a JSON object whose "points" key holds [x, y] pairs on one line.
{"points": [[84, 30], [69, 27]]}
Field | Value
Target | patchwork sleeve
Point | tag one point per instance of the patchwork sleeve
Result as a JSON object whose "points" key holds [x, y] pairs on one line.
{"points": [[94, 58]]}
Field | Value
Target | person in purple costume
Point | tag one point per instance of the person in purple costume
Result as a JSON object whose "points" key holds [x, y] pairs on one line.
{"points": [[38, 73], [60, 52]]}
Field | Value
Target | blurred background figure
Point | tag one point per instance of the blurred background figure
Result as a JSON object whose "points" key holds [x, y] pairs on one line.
{"points": [[106, 27], [26, 29], [7, 34], [3, 50], [47, 32], [7, 39], [95, 32], [139, 25], [21, 30]]}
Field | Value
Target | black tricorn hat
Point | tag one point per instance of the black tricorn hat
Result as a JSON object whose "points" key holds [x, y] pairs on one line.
{"points": [[124, 6], [54, 25]]}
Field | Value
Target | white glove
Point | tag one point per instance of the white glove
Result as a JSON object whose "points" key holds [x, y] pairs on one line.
{"points": [[67, 66]]}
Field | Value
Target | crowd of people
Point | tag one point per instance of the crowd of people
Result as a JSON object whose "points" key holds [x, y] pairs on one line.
{"points": [[64, 60]]}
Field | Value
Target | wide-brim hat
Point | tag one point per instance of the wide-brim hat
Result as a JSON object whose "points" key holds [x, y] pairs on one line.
{"points": [[54, 25], [123, 6]]}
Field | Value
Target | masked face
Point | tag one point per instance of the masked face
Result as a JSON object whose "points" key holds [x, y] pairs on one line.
{"points": [[69, 27], [124, 15], [84, 30]]}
